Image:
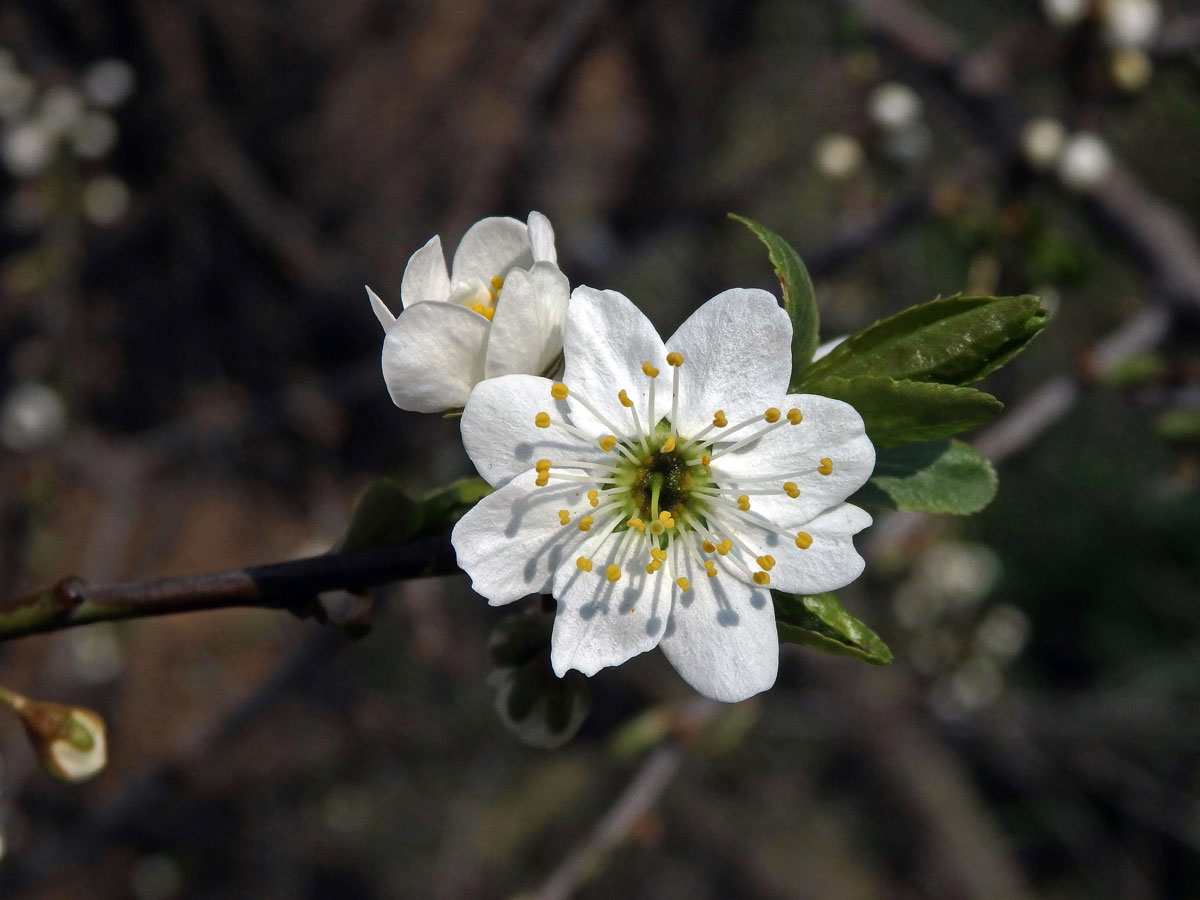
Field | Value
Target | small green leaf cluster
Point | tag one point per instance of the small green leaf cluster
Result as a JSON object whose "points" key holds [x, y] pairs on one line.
{"points": [[909, 378]]}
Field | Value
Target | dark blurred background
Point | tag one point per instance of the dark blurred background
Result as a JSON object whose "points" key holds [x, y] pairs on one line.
{"points": [[194, 193]]}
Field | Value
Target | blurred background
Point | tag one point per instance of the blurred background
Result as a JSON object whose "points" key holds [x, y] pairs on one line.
{"points": [[192, 196]]}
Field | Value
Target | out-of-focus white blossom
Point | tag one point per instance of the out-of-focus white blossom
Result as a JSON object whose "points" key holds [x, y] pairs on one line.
{"points": [[16, 93], [1003, 632], [1042, 142], [28, 149], [109, 83], [1132, 23], [1085, 163], [33, 416], [908, 145], [894, 106], [1065, 13], [838, 156], [96, 655], [60, 110], [1131, 69], [105, 199], [94, 135]]}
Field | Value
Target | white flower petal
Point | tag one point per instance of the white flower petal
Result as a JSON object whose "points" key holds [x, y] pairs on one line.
{"points": [[830, 562], [433, 356], [425, 277], [721, 637], [541, 238], [499, 433], [382, 313], [603, 623], [830, 430], [527, 330], [513, 540], [736, 357], [605, 341], [491, 247]]}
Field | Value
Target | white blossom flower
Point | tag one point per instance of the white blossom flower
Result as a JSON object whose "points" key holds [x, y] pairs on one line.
{"points": [[498, 311], [658, 490]]}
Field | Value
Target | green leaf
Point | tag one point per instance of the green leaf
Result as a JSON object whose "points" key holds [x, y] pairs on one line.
{"points": [[901, 412], [818, 621], [956, 340], [799, 299], [441, 509], [384, 516], [947, 477]]}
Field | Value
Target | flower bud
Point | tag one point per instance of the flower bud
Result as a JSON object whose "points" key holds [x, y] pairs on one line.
{"points": [[69, 741]]}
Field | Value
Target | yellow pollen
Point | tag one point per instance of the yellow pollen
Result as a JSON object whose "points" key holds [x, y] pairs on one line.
{"points": [[663, 516], [558, 391], [710, 568], [708, 546], [563, 517], [772, 415], [542, 465], [585, 564], [542, 420], [725, 546], [705, 459], [613, 572], [585, 524], [637, 523], [658, 554], [486, 311], [719, 419], [497, 282], [762, 578], [795, 416], [767, 562], [790, 488], [684, 584], [743, 502], [826, 466], [674, 359], [668, 444], [651, 568], [624, 398], [607, 443], [649, 369], [594, 498], [543, 479], [803, 540], [657, 528]]}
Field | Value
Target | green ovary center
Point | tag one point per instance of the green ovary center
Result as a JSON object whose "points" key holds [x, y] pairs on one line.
{"points": [[662, 481]]}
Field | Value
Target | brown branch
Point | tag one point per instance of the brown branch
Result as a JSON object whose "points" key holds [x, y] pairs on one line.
{"points": [[292, 586]]}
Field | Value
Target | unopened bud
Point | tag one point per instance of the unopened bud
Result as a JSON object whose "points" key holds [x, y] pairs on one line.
{"points": [[69, 741]]}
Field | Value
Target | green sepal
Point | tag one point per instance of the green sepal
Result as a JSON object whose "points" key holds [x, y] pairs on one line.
{"points": [[441, 508], [799, 298], [818, 621], [941, 477], [385, 515], [901, 412], [955, 340]]}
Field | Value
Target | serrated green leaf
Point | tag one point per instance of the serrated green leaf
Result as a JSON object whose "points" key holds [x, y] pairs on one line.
{"points": [[943, 477], [799, 298], [383, 516], [818, 621], [956, 340], [902, 412]]}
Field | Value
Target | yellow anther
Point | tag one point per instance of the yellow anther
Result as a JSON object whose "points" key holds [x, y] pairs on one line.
{"points": [[725, 546], [542, 420], [674, 359], [719, 419], [543, 479], [803, 540], [668, 444], [766, 562], [657, 528], [585, 524], [658, 554], [663, 516], [772, 415], [684, 584], [607, 443], [497, 283], [558, 391], [705, 459], [637, 523], [795, 416], [743, 502], [762, 578], [624, 398], [594, 498], [651, 568], [826, 466], [791, 489], [585, 564], [648, 369], [564, 517], [542, 465], [710, 567], [708, 546], [613, 572]]}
